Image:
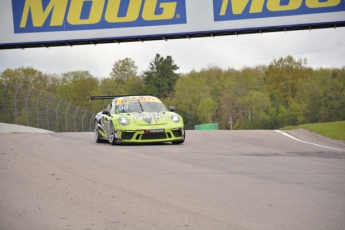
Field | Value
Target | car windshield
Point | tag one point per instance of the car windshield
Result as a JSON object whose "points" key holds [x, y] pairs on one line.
{"points": [[138, 107]]}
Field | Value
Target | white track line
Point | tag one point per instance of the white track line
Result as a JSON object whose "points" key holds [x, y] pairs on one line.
{"points": [[307, 141]]}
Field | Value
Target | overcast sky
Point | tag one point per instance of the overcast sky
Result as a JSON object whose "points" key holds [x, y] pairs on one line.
{"points": [[321, 47]]}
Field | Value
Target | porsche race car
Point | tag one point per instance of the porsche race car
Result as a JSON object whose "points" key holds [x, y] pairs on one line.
{"points": [[137, 119]]}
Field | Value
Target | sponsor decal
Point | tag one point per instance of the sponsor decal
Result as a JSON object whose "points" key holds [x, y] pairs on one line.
{"points": [[148, 131], [136, 99], [31, 16], [225, 10], [142, 99], [149, 117], [142, 116]]}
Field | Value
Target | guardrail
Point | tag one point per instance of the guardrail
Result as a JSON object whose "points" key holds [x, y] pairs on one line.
{"points": [[25, 106]]}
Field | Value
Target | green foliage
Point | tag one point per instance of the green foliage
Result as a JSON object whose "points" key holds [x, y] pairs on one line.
{"points": [[230, 108], [286, 92], [323, 96], [31, 78], [248, 79], [109, 86], [283, 77], [207, 110], [189, 91], [160, 79], [123, 70], [134, 85], [77, 87], [294, 113]]}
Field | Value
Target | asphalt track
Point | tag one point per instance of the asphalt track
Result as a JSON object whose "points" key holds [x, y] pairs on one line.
{"points": [[215, 180]]}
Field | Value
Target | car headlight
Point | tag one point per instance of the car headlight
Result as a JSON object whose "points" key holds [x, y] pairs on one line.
{"points": [[123, 121], [175, 118]]}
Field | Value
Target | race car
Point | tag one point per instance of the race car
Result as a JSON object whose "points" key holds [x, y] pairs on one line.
{"points": [[137, 119]]}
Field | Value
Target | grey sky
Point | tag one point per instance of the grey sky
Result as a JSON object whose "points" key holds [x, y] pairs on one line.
{"points": [[322, 48]]}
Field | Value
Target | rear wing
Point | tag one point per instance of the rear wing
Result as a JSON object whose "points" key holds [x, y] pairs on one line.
{"points": [[92, 98], [112, 97]]}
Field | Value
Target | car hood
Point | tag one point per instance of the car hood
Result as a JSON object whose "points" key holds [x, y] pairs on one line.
{"points": [[146, 118]]}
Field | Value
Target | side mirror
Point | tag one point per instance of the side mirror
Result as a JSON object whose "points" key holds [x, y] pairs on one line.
{"points": [[171, 108], [105, 112]]}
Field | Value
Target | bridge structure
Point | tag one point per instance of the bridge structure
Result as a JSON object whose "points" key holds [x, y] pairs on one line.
{"points": [[48, 23]]}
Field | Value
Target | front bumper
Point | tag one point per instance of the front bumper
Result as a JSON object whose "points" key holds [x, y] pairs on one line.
{"points": [[142, 136]]}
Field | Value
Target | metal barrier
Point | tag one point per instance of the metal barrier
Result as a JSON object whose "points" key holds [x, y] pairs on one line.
{"points": [[26, 106]]}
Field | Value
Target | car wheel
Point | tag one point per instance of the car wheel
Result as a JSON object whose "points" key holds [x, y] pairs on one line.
{"points": [[181, 141], [112, 135], [96, 133]]}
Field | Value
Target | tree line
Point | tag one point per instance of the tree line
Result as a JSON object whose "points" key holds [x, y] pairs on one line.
{"points": [[286, 92]]}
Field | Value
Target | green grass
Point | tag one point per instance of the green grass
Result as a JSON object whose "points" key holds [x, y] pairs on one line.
{"points": [[334, 130]]}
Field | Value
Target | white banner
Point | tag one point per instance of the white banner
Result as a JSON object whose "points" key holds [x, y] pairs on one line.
{"points": [[49, 22]]}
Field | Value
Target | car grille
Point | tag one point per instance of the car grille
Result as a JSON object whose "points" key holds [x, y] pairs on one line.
{"points": [[177, 133], [153, 136], [127, 136]]}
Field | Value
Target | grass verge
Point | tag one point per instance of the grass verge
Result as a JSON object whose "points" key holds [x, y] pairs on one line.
{"points": [[334, 130]]}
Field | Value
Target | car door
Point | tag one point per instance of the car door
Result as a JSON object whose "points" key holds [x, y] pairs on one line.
{"points": [[107, 119]]}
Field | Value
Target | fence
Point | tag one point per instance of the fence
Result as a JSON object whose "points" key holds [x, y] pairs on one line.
{"points": [[25, 106], [211, 126]]}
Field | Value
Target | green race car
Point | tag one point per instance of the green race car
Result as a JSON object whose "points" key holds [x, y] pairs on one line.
{"points": [[137, 119]]}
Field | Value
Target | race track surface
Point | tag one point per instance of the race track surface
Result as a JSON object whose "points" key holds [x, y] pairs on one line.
{"points": [[215, 180]]}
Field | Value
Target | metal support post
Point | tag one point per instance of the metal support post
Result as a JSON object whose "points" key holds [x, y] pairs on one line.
{"points": [[57, 116], [74, 118], [48, 110], [82, 122], [3, 101], [66, 116], [15, 104], [27, 113], [91, 121], [38, 123]]}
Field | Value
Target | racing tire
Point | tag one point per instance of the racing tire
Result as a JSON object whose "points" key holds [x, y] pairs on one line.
{"points": [[112, 135], [96, 133], [181, 141]]}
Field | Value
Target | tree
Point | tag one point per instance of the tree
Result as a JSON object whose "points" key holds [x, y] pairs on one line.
{"points": [[109, 87], [230, 108], [20, 76], [254, 104], [333, 98], [215, 78], [160, 79], [123, 79], [276, 117], [323, 95], [294, 114], [207, 110], [134, 85], [283, 77], [31, 78], [190, 90], [248, 78], [76, 87], [123, 70]]}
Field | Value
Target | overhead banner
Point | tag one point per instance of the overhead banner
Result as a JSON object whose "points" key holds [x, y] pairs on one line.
{"points": [[33, 23], [31, 16]]}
